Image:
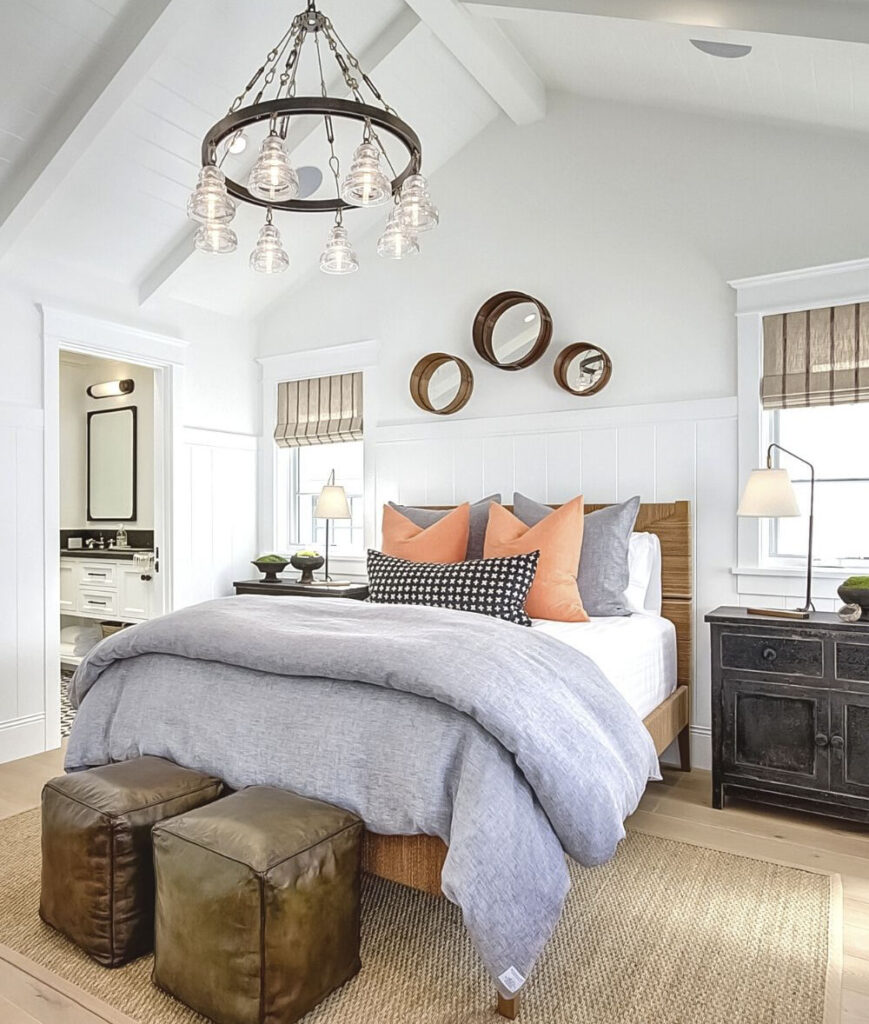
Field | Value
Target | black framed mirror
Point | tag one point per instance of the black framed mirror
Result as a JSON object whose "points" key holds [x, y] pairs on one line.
{"points": [[111, 465]]}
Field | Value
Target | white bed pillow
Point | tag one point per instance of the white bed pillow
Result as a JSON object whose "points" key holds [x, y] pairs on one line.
{"points": [[643, 593]]}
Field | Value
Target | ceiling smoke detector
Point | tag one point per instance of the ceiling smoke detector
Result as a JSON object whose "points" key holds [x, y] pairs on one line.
{"points": [[726, 50]]}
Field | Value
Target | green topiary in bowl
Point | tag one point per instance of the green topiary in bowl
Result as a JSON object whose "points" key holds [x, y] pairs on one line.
{"points": [[270, 566], [855, 590]]}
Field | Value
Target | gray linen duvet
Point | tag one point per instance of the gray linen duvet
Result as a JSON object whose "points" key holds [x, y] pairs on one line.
{"points": [[509, 745]]}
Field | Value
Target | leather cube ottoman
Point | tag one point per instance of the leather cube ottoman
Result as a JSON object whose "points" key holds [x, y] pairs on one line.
{"points": [[97, 861], [257, 916]]}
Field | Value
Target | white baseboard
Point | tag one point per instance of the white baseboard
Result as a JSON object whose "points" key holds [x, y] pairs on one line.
{"points": [[22, 737], [701, 749]]}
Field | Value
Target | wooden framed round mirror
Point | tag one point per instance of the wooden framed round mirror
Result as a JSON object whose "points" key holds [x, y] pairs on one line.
{"points": [[583, 369], [441, 383], [512, 330]]}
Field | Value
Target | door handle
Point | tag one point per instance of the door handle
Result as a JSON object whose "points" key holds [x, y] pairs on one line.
{"points": [[821, 740], [837, 741]]}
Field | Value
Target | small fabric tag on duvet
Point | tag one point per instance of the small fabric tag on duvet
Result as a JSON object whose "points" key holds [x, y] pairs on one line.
{"points": [[512, 980]]}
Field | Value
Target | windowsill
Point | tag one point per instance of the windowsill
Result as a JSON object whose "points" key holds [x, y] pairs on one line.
{"points": [[821, 572]]}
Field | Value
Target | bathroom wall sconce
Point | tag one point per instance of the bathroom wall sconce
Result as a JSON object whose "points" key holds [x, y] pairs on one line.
{"points": [[112, 388]]}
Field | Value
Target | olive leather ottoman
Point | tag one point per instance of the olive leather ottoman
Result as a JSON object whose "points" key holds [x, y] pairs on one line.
{"points": [[97, 866], [257, 915]]}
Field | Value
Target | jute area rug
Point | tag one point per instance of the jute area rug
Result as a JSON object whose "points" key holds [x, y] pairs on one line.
{"points": [[665, 933]]}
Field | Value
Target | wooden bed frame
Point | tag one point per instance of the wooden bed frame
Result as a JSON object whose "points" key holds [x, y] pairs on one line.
{"points": [[417, 860]]}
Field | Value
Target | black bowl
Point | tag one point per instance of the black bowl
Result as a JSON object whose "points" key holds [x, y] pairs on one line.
{"points": [[307, 564], [856, 595], [270, 570]]}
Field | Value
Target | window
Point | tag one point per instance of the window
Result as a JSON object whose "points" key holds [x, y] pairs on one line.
{"points": [[832, 437], [302, 472]]}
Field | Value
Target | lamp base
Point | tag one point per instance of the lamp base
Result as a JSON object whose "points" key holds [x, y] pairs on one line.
{"points": [[780, 613]]}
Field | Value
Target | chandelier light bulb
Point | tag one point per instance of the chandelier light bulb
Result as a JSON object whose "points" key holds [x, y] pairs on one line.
{"points": [[416, 209], [209, 202], [273, 177], [397, 241], [216, 238], [269, 255], [238, 143], [366, 184], [338, 256]]}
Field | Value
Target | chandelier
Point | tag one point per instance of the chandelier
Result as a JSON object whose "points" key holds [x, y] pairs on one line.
{"points": [[269, 101]]}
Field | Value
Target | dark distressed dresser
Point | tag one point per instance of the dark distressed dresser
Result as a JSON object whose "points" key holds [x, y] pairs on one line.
{"points": [[790, 712]]}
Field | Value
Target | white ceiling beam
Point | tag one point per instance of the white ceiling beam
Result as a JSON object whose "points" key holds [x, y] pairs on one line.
{"points": [[843, 20], [488, 55], [134, 42], [172, 260]]}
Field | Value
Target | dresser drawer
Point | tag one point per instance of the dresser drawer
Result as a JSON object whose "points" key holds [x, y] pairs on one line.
{"points": [[772, 654], [98, 602], [97, 575], [852, 661]]}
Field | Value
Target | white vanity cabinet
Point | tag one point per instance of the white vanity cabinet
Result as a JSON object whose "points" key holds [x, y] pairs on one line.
{"points": [[101, 588]]}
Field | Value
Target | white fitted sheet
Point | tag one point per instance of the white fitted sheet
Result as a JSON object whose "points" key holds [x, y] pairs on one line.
{"points": [[637, 653]]}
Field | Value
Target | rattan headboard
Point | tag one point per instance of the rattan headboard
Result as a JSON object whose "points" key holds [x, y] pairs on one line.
{"points": [[671, 522]]}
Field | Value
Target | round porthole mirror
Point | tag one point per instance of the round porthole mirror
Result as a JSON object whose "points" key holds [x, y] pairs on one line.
{"points": [[441, 383], [512, 330], [583, 369]]}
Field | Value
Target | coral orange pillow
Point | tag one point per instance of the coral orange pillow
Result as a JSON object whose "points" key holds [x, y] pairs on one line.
{"points": [[443, 541], [554, 593]]}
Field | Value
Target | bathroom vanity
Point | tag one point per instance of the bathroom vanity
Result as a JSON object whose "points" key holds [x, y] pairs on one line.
{"points": [[105, 585]]}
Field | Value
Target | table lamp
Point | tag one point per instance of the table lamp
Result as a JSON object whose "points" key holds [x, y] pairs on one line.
{"points": [[332, 504], [770, 494]]}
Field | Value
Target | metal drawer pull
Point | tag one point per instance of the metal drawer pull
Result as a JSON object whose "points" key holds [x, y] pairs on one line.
{"points": [[769, 654], [821, 740], [102, 575], [91, 601], [838, 742]]}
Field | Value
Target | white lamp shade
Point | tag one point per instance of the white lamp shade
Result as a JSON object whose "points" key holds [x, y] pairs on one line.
{"points": [[769, 493], [332, 503]]}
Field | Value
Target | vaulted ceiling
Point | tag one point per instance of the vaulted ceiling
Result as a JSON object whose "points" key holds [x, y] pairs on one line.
{"points": [[104, 104]]}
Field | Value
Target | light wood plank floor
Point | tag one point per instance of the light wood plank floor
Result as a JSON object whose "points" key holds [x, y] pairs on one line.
{"points": [[677, 808]]}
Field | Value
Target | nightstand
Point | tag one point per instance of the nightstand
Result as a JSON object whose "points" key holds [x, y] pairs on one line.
{"points": [[292, 588], [790, 712]]}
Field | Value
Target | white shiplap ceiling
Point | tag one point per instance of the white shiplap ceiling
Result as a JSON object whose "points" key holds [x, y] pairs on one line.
{"points": [[110, 198]]}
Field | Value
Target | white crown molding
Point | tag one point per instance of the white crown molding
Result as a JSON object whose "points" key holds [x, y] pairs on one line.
{"points": [[807, 288], [320, 362], [76, 331]]}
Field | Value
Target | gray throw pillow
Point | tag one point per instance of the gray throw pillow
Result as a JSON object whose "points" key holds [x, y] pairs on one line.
{"points": [[603, 573], [479, 521]]}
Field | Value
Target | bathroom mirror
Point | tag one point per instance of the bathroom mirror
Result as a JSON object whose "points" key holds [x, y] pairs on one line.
{"points": [[583, 369], [512, 330], [441, 383], [111, 469]]}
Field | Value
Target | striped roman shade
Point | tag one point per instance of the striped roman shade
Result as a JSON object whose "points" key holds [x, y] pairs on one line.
{"points": [[321, 410], [816, 357]]}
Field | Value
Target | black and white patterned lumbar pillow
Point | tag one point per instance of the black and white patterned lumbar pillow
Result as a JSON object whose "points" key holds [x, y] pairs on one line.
{"points": [[489, 586]]}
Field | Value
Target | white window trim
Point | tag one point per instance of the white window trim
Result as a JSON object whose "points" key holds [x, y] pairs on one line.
{"points": [[756, 297], [322, 362]]}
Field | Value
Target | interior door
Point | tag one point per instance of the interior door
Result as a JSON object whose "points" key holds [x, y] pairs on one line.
{"points": [[849, 743], [776, 732]]}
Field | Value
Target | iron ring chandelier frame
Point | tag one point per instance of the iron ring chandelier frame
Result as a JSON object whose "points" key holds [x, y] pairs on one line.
{"points": [[273, 110]]}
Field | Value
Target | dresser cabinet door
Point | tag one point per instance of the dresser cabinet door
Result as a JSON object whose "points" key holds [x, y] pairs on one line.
{"points": [[849, 743], [776, 732], [134, 595]]}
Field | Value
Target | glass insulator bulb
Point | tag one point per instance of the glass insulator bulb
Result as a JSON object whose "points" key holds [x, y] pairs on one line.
{"points": [[365, 183], [216, 238], [416, 209], [397, 240], [269, 255], [209, 202], [273, 178], [338, 256]]}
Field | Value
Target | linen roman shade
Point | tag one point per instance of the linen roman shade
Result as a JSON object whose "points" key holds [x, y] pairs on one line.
{"points": [[816, 357], [321, 410]]}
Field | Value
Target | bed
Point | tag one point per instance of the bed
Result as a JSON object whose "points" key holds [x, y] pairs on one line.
{"points": [[209, 685]]}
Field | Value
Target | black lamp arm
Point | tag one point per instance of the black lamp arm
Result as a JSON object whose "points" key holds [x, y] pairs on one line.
{"points": [[809, 607]]}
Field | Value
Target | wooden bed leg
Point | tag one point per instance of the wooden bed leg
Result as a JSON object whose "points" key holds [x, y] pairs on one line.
{"points": [[508, 1008], [684, 739]]}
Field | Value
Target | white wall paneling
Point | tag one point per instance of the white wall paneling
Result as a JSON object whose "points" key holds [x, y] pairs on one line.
{"points": [[666, 452]]}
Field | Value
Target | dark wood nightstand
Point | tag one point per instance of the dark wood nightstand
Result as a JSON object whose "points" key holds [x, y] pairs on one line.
{"points": [[790, 712], [292, 588]]}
